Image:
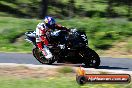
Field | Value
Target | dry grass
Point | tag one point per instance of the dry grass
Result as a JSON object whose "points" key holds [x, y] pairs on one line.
{"points": [[120, 49], [25, 72]]}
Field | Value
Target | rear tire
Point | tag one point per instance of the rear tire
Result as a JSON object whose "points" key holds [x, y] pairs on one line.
{"points": [[39, 56], [91, 59]]}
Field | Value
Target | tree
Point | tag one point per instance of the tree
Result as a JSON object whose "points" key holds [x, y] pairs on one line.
{"points": [[44, 8], [109, 9], [129, 3], [71, 5]]}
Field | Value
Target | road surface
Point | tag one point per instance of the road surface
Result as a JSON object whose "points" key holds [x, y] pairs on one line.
{"points": [[106, 62]]}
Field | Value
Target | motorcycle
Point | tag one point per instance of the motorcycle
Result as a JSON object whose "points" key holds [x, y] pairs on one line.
{"points": [[76, 48]]}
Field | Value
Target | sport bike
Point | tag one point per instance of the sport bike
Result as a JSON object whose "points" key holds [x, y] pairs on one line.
{"points": [[76, 48]]}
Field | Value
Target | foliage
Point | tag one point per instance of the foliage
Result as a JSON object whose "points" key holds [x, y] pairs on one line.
{"points": [[13, 28], [101, 32], [67, 8]]}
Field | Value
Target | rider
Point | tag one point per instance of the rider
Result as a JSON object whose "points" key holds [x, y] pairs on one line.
{"points": [[50, 25]]}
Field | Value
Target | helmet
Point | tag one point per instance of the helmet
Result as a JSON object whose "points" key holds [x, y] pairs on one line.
{"points": [[50, 22]]}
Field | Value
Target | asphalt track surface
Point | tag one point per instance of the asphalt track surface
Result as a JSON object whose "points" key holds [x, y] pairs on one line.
{"points": [[106, 62]]}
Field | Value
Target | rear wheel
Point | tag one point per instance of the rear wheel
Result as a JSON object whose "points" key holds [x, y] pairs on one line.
{"points": [[91, 58], [40, 57]]}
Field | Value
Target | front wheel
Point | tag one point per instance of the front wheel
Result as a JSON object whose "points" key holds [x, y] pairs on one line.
{"points": [[91, 58], [40, 57]]}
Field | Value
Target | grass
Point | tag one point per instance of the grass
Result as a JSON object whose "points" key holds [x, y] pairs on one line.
{"points": [[52, 82], [129, 46], [24, 77], [13, 28], [65, 69], [101, 32]]}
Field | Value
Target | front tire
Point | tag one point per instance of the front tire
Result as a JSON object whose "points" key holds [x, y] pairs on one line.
{"points": [[40, 57], [91, 58]]}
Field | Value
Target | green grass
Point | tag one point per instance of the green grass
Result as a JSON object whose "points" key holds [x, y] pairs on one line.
{"points": [[101, 32], [10, 29], [65, 69], [52, 82]]}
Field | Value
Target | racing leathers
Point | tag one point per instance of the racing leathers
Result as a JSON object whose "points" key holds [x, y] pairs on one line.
{"points": [[41, 39]]}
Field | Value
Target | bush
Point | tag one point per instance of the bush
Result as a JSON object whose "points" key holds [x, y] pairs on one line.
{"points": [[101, 32], [65, 69]]}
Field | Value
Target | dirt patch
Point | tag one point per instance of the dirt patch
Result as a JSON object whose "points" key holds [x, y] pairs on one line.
{"points": [[120, 49], [25, 72], [19, 40]]}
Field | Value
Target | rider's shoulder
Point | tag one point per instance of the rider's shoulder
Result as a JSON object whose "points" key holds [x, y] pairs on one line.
{"points": [[41, 25]]}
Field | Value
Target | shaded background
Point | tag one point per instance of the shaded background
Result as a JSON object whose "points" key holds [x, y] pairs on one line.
{"points": [[66, 8]]}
